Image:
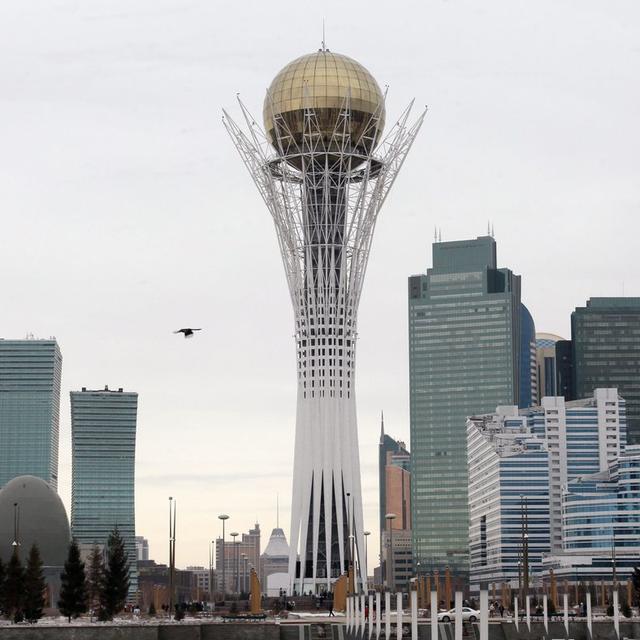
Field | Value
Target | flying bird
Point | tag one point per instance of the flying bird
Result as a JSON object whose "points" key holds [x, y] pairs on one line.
{"points": [[188, 332]]}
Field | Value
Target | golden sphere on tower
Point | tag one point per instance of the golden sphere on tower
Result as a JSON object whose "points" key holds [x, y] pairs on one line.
{"points": [[323, 81]]}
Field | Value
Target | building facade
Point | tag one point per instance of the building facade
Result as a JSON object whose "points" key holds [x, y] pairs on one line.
{"points": [[239, 558], [536, 453], [508, 498], [103, 433], [464, 358], [605, 336], [546, 366], [394, 464], [601, 524], [142, 548], [528, 362], [30, 375]]}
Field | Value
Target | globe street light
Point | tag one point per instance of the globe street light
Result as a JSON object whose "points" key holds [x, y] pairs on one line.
{"points": [[390, 517], [366, 562], [234, 535], [223, 517]]}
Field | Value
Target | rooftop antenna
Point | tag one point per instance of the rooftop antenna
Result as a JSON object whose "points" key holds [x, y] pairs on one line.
{"points": [[493, 233], [324, 47], [488, 228], [277, 510], [435, 234], [439, 235]]}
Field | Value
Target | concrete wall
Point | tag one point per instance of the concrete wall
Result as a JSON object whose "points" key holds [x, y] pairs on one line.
{"points": [[267, 631]]}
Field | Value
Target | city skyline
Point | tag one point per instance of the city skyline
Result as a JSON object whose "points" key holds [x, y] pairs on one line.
{"points": [[120, 176]]}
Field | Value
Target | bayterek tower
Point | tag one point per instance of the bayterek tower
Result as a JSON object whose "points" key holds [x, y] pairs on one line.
{"points": [[324, 166]]}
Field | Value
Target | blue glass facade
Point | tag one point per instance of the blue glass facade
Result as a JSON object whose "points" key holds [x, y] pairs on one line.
{"points": [[528, 363], [103, 428], [605, 337], [464, 359], [508, 478], [30, 374]]}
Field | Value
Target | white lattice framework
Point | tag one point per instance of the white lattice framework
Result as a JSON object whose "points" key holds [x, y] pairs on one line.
{"points": [[324, 194]]}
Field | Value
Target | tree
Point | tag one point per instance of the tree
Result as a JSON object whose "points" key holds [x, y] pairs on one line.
{"points": [[95, 578], [73, 598], [3, 576], [14, 588], [34, 586], [635, 580], [625, 608], [113, 595]]}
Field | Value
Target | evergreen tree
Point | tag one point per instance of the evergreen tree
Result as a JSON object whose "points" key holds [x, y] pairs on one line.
{"points": [[73, 599], [116, 576], [14, 588], [2, 581], [635, 580], [34, 586], [95, 578]]}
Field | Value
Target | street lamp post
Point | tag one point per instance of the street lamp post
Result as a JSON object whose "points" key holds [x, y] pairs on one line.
{"points": [[234, 535], [366, 563], [223, 517], [211, 556], [390, 517], [172, 550], [244, 572]]}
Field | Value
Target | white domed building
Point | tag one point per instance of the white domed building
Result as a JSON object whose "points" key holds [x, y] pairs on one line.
{"points": [[274, 563]]}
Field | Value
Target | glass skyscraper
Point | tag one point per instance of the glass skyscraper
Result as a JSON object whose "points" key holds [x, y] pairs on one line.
{"points": [[30, 373], [103, 431], [464, 358], [605, 337]]}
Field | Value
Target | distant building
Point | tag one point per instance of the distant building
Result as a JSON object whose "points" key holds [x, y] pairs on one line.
{"points": [[394, 463], [201, 582], [528, 363], [464, 359], [153, 585], [546, 365], [142, 548], [564, 369], [606, 352], [103, 433], [30, 374], [274, 564], [240, 558]]}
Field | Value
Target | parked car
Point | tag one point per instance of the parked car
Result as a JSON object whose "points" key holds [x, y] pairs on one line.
{"points": [[468, 615]]}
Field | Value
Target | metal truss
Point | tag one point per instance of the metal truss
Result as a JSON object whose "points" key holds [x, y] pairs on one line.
{"points": [[324, 190]]}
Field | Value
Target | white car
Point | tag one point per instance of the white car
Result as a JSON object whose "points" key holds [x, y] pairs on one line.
{"points": [[468, 615]]}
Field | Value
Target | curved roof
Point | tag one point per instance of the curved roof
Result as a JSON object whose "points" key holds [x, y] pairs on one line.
{"points": [[42, 520], [547, 340], [277, 544]]}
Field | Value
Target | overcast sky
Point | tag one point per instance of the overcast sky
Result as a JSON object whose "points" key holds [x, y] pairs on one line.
{"points": [[126, 212]]}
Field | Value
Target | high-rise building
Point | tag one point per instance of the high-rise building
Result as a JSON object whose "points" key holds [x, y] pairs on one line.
{"points": [[535, 453], [30, 374], [546, 363], [394, 463], [142, 548], [324, 169], [464, 358], [508, 478], [528, 365], [103, 433], [606, 352]]}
